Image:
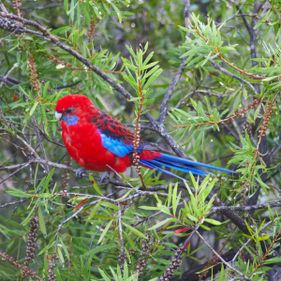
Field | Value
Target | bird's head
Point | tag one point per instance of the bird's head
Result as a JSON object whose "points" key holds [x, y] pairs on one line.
{"points": [[69, 107]]}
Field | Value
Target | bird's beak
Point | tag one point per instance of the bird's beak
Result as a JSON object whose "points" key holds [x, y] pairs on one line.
{"points": [[58, 115]]}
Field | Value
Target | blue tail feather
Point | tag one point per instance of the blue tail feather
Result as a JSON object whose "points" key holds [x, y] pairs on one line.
{"points": [[148, 163], [181, 168], [180, 164]]}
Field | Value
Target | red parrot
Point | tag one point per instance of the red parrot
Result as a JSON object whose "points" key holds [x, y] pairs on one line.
{"points": [[98, 142]]}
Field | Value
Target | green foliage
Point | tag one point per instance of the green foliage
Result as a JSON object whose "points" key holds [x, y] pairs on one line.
{"points": [[193, 212], [205, 43], [118, 275], [224, 110], [87, 10], [140, 73]]}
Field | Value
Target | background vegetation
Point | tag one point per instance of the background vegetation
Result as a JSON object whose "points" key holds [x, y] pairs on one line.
{"points": [[209, 76]]}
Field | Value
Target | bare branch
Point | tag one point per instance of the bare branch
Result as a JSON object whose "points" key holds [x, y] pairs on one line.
{"points": [[168, 95], [274, 204], [226, 72], [13, 203], [37, 160], [220, 257], [175, 80], [9, 80], [122, 255]]}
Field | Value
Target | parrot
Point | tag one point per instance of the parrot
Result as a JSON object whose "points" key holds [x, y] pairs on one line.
{"points": [[99, 142]]}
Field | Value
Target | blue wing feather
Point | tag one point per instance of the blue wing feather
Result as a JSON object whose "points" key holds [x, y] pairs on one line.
{"points": [[116, 145], [115, 137]]}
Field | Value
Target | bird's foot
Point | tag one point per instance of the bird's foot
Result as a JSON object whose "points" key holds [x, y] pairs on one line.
{"points": [[80, 173], [104, 178]]}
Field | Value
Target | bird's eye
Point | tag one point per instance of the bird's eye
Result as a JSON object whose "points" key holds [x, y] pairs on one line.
{"points": [[69, 110]]}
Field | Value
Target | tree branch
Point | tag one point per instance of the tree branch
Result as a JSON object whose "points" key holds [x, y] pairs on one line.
{"points": [[175, 80]]}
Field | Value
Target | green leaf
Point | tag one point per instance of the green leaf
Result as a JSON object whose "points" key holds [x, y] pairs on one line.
{"points": [[18, 193], [192, 218], [135, 231], [33, 108], [149, 208], [95, 185], [117, 11], [264, 237], [212, 221], [176, 199], [272, 260], [161, 223], [42, 224], [109, 205], [105, 230], [104, 276]]}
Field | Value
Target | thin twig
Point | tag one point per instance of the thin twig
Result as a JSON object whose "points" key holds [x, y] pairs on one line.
{"points": [[236, 114], [220, 257], [37, 160], [175, 80], [274, 204], [8, 81], [65, 221], [252, 33], [168, 95], [226, 72], [14, 172], [186, 12], [13, 203], [121, 240], [5, 79]]}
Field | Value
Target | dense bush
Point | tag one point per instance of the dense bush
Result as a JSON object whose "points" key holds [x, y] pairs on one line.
{"points": [[204, 78]]}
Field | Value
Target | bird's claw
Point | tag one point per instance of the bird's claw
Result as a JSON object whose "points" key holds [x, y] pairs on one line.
{"points": [[104, 178], [80, 172]]}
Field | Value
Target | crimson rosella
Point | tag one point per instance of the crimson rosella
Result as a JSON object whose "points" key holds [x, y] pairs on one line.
{"points": [[98, 142]]}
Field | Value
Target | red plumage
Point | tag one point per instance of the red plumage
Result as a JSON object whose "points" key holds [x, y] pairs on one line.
{"points": [[83, 140]]}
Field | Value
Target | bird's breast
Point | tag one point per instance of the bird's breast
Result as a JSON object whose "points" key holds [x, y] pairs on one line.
{"points": [[84, 144]]}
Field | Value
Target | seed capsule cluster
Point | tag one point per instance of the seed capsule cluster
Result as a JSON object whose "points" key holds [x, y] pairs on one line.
{"points": [[26, 271], [34, 78], [175, 263], [266, 119], [91, 30], [136, 156], [31, 240], [51, 267], [243, 111], [145, 251], [62, 63], [136, 142]]}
